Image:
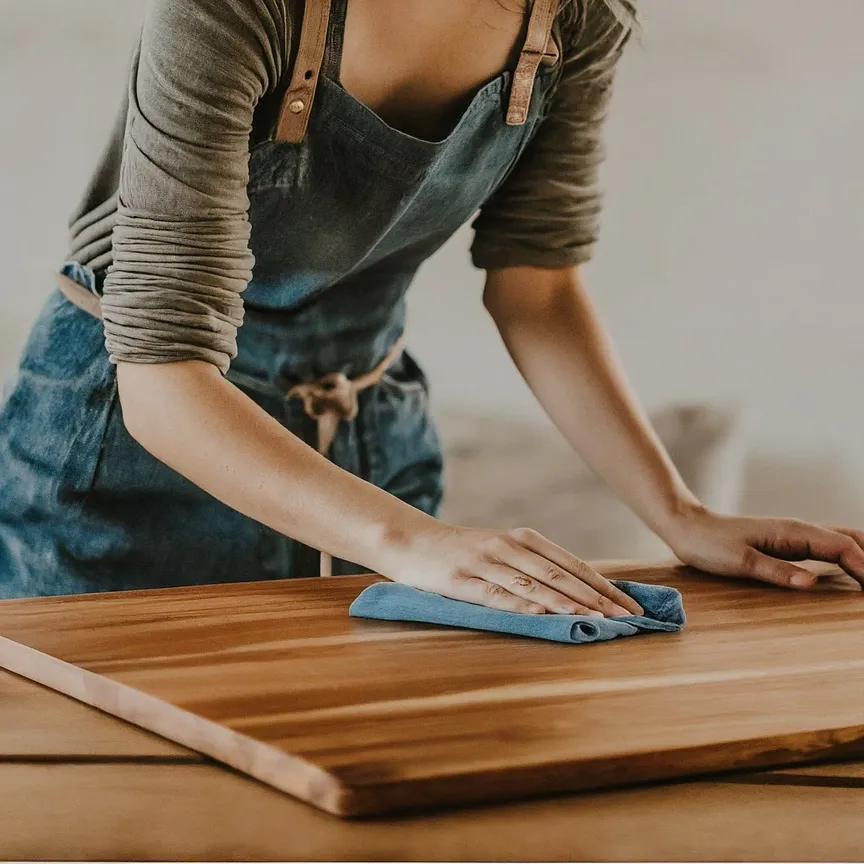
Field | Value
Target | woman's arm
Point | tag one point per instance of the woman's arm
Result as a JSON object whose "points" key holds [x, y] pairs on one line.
{"points": [[531, 235], [564, 353], [561, 348], [190, 417]]}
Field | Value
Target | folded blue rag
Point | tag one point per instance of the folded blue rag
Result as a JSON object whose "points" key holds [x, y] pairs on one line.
{"points": [[390, 601]]}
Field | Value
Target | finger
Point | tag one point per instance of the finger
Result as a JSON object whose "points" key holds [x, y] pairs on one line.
{"points": [[548, 573], [854, 533], [767, 569], [535, 591], [583, 573], [472, 589], [824, 544]]}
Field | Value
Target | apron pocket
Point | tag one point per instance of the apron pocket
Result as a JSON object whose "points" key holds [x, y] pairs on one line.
{"points": [[87, 448], [54, 422]]}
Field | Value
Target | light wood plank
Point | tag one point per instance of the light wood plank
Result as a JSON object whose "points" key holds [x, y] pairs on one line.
{"points": [[189, 813], [363, 717]]}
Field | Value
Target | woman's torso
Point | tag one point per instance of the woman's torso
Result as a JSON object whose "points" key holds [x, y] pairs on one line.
{"points": [[341, 221]]}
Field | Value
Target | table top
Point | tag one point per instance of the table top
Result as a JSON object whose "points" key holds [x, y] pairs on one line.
{"points": [[77, 784], [363, 717]]}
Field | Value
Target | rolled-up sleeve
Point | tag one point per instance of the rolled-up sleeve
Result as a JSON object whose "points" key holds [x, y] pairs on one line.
{"points": [[181, 255], [547, 212]]}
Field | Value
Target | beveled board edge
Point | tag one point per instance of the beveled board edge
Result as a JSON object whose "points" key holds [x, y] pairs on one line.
{"points": [[595, 775]]}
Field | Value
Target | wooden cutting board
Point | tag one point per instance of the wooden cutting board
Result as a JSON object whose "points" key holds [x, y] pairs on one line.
{"points": [[362, 717]]}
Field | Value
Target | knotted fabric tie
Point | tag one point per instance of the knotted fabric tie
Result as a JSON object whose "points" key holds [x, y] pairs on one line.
{"points": [[332, 399]]}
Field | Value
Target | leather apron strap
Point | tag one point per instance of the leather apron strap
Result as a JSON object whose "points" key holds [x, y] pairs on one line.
{"points": [[297, 103], [539, 47]]}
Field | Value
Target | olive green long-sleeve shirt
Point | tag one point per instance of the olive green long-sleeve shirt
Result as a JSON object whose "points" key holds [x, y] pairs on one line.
{"points": [[166, 211]]}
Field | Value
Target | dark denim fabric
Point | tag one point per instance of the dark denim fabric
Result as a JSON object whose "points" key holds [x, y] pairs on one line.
{"points": [[388, 601], [340, 224]]}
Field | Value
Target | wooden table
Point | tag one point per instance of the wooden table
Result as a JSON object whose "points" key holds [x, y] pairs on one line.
{"points": [[76, 784]]}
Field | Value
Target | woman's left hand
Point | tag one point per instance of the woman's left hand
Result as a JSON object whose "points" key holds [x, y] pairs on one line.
{"points": [[761, 548]]}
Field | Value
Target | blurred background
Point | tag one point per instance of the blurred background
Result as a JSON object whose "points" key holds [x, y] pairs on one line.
{"points": [[729, 269]]}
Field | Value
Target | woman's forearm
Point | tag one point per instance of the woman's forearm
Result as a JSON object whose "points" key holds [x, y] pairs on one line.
{"points": [[560, 346], [194, 420], [188, 416]]}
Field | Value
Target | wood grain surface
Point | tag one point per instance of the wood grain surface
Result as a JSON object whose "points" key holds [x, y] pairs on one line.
{"points": [[362, 718], [127, 804], [133, 812]]}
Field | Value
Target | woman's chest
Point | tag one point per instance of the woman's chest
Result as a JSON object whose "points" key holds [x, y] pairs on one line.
{"points": [[418, 63]]}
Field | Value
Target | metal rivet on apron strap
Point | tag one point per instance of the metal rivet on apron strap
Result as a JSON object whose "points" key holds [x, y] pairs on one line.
{"points": [[297, 104]]}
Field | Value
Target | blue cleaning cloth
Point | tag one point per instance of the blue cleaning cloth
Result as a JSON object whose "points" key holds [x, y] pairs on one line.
{"points": [[390, 601]]}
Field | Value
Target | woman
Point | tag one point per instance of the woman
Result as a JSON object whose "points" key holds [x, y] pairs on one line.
{"points": [[181, 454]]}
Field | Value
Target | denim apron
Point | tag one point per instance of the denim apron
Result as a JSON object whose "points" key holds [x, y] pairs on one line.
{"points": [[341, 221]]}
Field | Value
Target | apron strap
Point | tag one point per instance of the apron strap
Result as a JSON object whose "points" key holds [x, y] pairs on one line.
{"points": [[298, 99], [535, 50], [79, 296]]}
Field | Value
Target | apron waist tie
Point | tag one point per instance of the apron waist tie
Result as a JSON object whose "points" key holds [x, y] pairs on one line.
{"points": [[333, 398], [328, 401], [79, 296]]}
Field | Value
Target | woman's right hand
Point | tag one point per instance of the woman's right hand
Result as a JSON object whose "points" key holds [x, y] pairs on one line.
{"points": [[516, 571]]}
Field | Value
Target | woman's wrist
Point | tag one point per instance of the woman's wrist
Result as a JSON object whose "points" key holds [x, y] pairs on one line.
{"points": [[671, 521], [388, 536]]}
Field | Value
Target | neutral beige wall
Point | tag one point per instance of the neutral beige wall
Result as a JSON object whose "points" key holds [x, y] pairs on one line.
{"points": [[729, 267]]}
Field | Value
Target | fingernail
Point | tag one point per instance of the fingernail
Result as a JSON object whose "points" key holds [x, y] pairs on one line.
{"points": [[537, 610], [595, 614], [620, 610], [802, 580]]}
